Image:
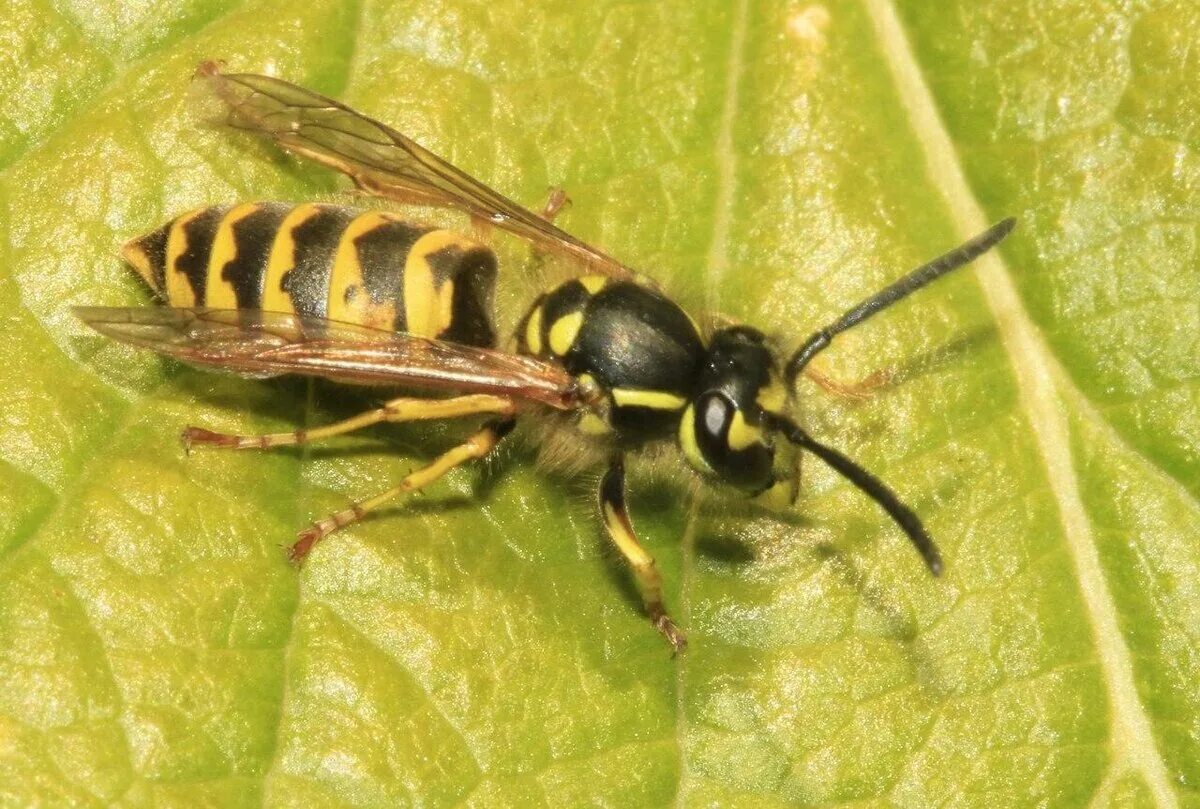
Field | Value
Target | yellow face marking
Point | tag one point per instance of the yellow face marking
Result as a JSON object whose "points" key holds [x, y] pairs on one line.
{"points": [[593, 283], [357, 306], [283, 259], [591, 424], [533, 331], [778, 496], [772, 397], [741, 434], [428, 305], [653, 399], [687, 441], [219, 293], [179, 289], [563, 333]]}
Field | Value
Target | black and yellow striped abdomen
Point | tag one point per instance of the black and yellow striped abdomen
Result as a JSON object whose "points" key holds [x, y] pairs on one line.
{"points": [[369, 268]]}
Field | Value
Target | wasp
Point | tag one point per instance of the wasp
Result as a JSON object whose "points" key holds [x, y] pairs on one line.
{"points": [[369, 297]]}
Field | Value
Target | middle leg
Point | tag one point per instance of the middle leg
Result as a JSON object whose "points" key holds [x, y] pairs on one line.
{"points": [[619, 527], [475, 447]]}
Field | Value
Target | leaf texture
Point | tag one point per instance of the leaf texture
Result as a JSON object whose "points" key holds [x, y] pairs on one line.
{"points": [[771, 161]]}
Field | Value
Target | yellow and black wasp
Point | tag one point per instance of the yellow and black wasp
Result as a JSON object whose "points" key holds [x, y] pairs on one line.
{"points": [[369, 297]]}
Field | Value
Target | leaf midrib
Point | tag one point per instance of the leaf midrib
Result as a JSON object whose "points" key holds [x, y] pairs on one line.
{"points": [[1038, 374], [1041, 385], [716, 263], [303, 507]]}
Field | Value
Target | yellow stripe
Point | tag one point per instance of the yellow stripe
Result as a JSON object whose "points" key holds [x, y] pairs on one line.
{"points": [[772, 397], [591, 424], [593, 283], [563, 333], [428, 306], [283, 259], [741, 434], [219, 293], [654, 399], [347, 274], [687, 442], [179, 289], [778, 496], [135, 256], [533, 331]]}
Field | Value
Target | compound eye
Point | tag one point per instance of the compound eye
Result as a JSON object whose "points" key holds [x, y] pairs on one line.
{"points": [[716, 413], [734, 450]]}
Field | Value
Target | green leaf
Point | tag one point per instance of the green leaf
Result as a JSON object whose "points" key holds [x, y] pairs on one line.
{"points": [[774, 162]]}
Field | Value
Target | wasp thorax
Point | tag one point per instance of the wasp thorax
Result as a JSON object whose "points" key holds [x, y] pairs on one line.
{"points": [[722, 431], [637, 347]]}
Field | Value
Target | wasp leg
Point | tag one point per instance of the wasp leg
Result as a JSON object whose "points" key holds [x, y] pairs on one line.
{"points": [[849, 390], [475, 447], [619, 527], [557, 200], [403, 409]]}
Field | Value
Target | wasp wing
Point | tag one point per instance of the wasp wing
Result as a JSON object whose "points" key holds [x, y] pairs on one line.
{"points": [[380, 160], [254, 343]]}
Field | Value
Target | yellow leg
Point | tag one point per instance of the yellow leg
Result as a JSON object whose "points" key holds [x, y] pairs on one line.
{"points": [[619, 527], [404, 409], [848, 390], [477, 446]]}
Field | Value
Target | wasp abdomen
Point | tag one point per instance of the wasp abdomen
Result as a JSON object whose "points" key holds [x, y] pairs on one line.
{"points": [[370, 268]]}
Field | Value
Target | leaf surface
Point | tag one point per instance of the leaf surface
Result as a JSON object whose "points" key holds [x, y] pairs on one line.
{"points": [[772, 161]]}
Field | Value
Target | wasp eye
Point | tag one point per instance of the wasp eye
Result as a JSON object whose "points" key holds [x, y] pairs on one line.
{"points": [[729, 446], [715, 414]]}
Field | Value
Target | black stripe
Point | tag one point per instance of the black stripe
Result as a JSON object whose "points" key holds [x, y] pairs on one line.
{"points": [[523, 327], [316, 240], [193, 263], [474, 275], [382, 252], [154, 246], [567, 299], [253, 236]]}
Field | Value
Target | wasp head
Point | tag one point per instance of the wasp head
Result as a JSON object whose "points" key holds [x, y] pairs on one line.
{"points": [[724, 430]]}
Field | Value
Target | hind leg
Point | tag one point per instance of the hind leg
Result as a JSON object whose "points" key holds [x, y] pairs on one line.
{"points": [[396, 410], [474, 448]]}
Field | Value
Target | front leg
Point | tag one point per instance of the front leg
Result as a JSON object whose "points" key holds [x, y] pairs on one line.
{"points": [[616, 522], [860, 390]]}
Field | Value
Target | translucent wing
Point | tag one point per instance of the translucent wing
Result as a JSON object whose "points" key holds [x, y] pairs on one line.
{"points": [[255, 343], [380, 160]]}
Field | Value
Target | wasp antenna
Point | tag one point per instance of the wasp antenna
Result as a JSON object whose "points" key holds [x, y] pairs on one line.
{"points": [[872, 486], [925, 274]]}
